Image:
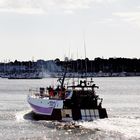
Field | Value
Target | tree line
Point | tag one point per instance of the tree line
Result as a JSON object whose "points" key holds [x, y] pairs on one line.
{"points": [[110, 65]]}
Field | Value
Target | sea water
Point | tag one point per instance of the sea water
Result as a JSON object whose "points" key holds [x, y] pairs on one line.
{"points": [[121, 99]]}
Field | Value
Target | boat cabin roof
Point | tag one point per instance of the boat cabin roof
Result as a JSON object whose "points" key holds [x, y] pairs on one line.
{"points": [[84, 86]]}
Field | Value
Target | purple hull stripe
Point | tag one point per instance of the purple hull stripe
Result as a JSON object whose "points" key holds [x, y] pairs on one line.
{"points": [[42, 110]]}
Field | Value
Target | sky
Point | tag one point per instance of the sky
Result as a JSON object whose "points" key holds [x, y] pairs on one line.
{"points": [[50, 29]]}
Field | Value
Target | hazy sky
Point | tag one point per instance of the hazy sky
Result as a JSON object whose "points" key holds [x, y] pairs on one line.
{"points": [[49, 29]]}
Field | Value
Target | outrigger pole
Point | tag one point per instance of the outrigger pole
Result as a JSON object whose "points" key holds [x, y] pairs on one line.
{"points": [[62, 83]]}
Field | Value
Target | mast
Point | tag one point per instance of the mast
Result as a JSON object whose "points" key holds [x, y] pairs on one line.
{"points": [[64, 76], [85, 57], [77, 66]]}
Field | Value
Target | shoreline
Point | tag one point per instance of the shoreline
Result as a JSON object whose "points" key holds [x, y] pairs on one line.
{"points": [[68, 75]]}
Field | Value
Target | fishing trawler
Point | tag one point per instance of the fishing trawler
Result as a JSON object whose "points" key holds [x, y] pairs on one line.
{"points": [[67, 102]]}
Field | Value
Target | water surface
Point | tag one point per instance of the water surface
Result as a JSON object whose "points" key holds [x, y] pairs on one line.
{"points": [[121, 99]]}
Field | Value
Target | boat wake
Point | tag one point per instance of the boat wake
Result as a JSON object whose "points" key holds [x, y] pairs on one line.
{"points": [[23, 115], [58, 125], [123, 128]]}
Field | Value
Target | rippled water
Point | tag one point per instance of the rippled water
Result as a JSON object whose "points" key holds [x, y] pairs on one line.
{"points": [[121, 99]]}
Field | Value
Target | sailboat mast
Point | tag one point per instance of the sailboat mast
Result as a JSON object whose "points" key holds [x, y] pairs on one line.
{"points": [[85, 56]]}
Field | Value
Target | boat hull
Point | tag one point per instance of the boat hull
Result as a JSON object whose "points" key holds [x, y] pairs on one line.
{"points": [[56, 115], [42, 109]]}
